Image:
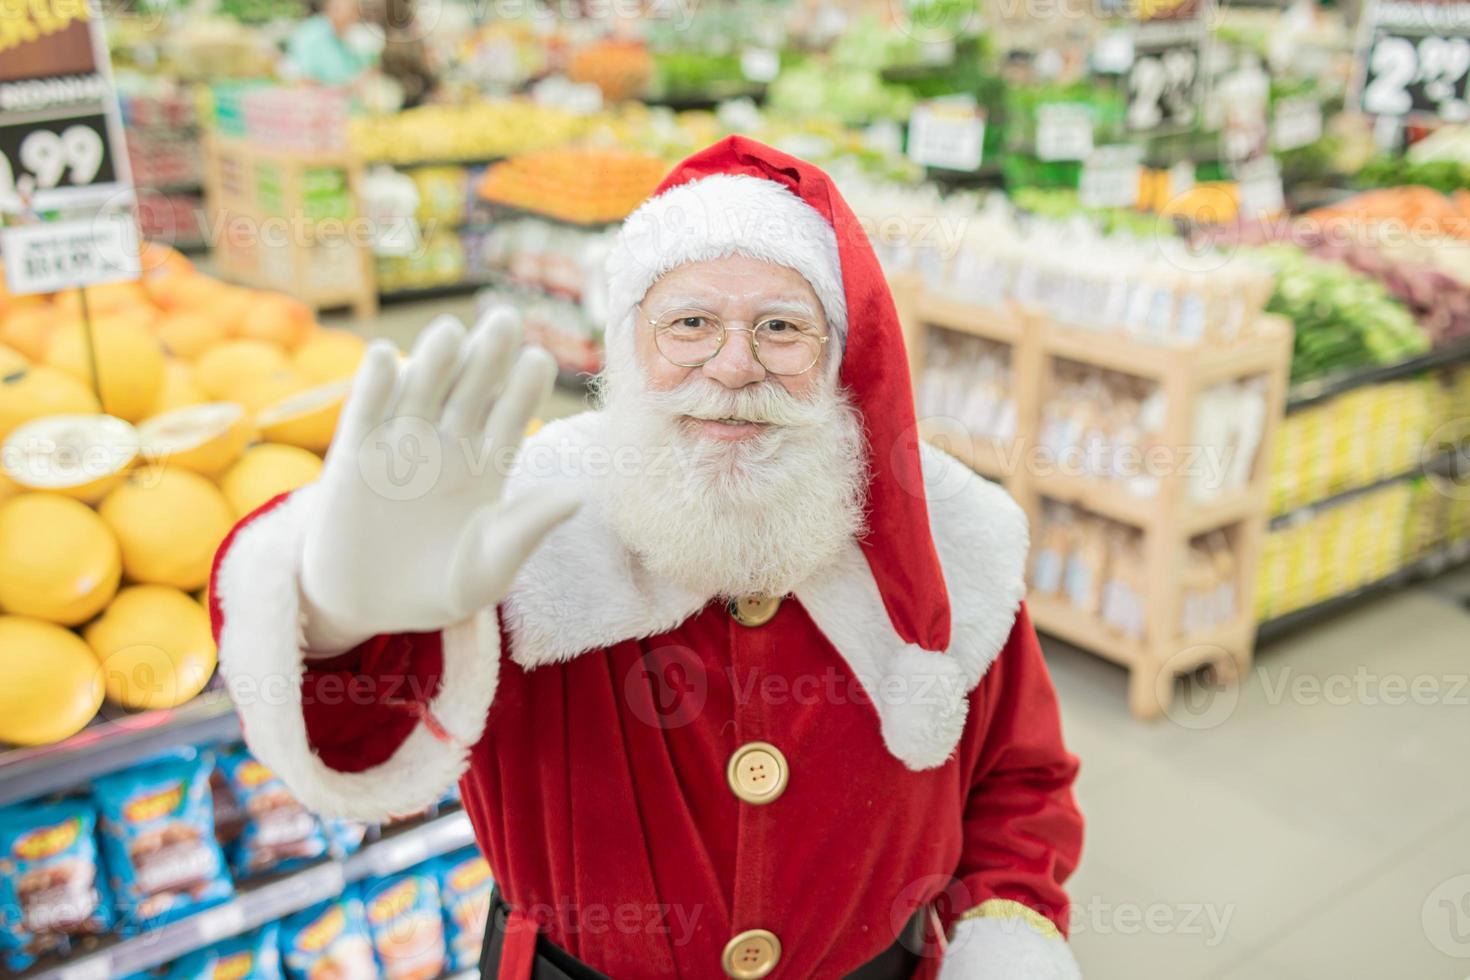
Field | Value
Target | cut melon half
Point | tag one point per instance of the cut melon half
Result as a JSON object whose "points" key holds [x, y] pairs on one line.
{"points": [[306, 419], [204, 439], [82, 456]]}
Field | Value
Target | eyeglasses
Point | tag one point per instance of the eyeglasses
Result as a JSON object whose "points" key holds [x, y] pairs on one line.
{"points": [[783, 345]]}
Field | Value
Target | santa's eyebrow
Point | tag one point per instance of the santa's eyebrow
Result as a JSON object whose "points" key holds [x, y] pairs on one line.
{"points": [[791, 307]]}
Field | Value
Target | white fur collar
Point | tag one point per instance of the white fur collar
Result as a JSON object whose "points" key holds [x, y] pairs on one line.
{"points": [[582, 591]]}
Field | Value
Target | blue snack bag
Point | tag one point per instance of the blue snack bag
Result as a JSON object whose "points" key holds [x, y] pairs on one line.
{"points": [[48, 879], [253, 956], [344, 837], [465, 884], [407, 928], [278, 832], [328, 942], [157, 827]]}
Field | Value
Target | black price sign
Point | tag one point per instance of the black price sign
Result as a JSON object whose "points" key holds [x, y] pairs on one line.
{"points": [[55, 153], [1164, 82], [1415, 61]]}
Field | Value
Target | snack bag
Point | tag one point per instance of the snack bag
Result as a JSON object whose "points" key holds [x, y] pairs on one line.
{"points": [[465, 884], [253, 956], [48, 879], [328, 942], [157, 825], [408, 933], [278, 832], [344, 837]]}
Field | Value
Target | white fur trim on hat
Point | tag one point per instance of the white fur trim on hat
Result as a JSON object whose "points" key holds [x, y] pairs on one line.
{"points": [[719, 216]]}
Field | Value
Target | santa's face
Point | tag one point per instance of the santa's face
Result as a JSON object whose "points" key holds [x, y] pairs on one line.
{"points": [[766, 478]]}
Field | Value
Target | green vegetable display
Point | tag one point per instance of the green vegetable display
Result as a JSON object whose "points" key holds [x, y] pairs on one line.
{"points": [[1342, 319]]}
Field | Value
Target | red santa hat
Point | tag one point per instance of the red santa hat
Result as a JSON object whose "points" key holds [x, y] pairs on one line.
{"points": [[740, 197]]}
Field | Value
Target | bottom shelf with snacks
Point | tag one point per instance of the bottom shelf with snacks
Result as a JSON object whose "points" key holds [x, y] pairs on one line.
{"points": [[200, 863]]}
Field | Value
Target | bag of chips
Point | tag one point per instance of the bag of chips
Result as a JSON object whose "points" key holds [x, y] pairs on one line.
{"points": [[329, 940], [278, 832], [157, 828], [48, 879], [465, 884], [408, 931], [253, 956]]}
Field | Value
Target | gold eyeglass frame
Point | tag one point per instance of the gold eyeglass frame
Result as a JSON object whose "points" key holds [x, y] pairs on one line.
{"points": [[725, 331]]}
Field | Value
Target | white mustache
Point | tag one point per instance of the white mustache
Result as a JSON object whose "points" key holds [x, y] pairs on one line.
{"points": [[764, 402]]}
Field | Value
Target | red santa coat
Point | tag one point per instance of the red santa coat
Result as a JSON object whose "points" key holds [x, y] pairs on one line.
{"points": [[592, 718]]}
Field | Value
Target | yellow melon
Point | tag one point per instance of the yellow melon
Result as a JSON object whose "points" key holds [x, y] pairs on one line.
{"points": [[201, 438], [159, 260], [28, 393], [306, 419], [58, 560], [52, 685], [269, 389], [179, 388], [189, 333], [329, 355], [102, 299], [81, 456], [276, 319], [169, 523], [11, 360], [266, 471], [155, 646], [28, 329], [128, 358], [237, 362]]}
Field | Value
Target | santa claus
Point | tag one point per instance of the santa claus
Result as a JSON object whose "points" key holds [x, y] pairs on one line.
{"points": [[733, 673]]}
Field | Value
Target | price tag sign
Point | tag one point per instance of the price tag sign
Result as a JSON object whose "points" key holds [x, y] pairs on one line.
{"points": [[760, 65], [97, 967], [63, 161], [1261, 194], [1063, 131], [1295, 122], [1110, 177], [1414, 60], [218, 923], [947, 134], [54, 255]]}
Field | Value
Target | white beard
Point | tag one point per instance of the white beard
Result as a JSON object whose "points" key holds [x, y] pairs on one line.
{"points": [[726, 519]]}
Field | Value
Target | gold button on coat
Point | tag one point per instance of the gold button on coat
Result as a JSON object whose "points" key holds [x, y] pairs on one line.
{"points": [[751, 955], [757, 772], [754, 610]]}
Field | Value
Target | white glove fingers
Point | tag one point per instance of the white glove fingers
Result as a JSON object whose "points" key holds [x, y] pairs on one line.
{"points": [[367, 404], [431, 368], [506, 538], [490, 353], [530, 382]]}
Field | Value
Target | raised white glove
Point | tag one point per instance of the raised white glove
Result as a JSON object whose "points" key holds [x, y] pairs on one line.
{"points": [[410, 534]]}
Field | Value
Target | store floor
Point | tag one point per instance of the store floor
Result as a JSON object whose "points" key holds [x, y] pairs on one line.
{"points": [[1313, 824]]}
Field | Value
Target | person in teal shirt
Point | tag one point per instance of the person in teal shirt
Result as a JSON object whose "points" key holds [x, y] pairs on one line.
{"points": [[320, 50]]}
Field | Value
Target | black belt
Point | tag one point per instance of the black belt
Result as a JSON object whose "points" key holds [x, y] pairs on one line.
{"points": [[897, 962]]}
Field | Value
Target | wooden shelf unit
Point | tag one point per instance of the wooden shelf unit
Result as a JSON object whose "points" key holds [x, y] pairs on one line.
{"points": [[1168, 519], [232, 169]]}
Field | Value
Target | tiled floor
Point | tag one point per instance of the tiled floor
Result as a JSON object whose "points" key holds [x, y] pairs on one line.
{"points": [[1315, 828]]}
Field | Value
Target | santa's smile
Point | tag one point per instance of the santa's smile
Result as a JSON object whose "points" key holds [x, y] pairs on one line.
{"points": [[727, 429]]}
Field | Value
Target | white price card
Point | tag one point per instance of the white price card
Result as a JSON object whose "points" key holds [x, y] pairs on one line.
{"points": [[1295, 122], [97, 967], [760, 65], [947, 134], [56, 255], [220, 922], [1260, 188], [1414, 60], [1063, 131], [1110, 177]]}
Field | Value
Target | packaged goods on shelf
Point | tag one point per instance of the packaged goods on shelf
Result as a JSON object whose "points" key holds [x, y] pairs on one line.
{"points": [[277, 833], [1330, 551], [535, 254], [256, 955], [1101, 424], [465, 885], [1159, 290], [1353, 440], [157, 831], [50, 880], [405, 919], [564, 328], [331, 939], [480, 131], [1097, 566], [971, 380]]}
